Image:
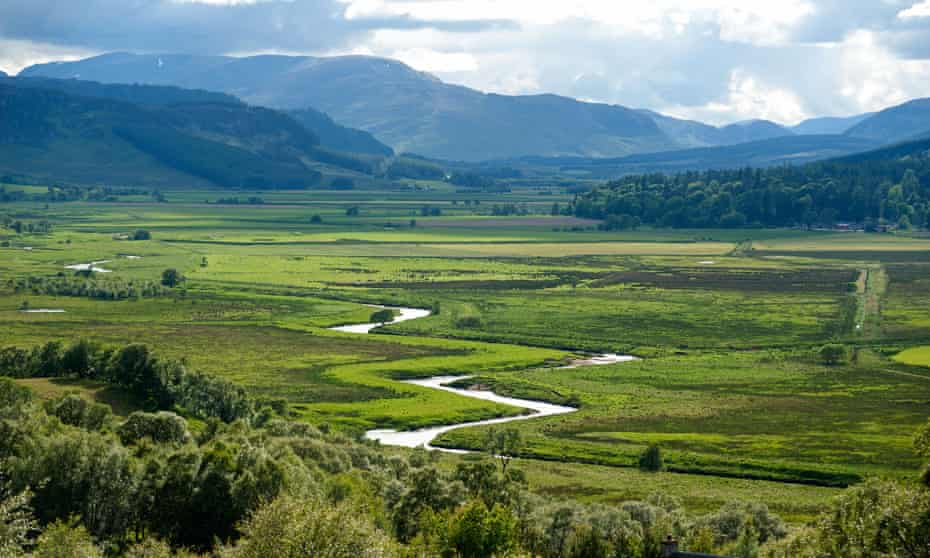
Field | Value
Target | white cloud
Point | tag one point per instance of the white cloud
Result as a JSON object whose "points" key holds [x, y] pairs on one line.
{"points": [[16, 55], [872, 77], [748, 98], [921, 9], [428, 60]]}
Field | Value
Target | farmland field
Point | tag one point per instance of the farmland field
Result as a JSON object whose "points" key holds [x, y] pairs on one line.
{"points": [[727, 325]]}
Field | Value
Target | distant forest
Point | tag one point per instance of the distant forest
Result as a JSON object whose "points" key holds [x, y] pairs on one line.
{"points": [[889, 186]]}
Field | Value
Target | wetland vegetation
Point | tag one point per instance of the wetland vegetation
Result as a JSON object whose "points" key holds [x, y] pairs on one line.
{"points": [[732, 386]]}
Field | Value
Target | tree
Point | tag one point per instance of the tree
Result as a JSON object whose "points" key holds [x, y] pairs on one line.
{"points": [[382, 316], [503, 445], [316, 220], [478, 532], [66, 540], [352, 211], [171, 277], [162, 428], [293, 527], [651, 459], [141, 234], [876, 518], [922, 445], [16, 522], [832, 354]]}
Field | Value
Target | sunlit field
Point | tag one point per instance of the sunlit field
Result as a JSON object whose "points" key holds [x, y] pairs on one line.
{"points": [[727, 325]]}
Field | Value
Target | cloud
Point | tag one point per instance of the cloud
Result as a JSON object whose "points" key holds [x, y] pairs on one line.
{"points": [[921, 9], [722, 60], [748, 97]]}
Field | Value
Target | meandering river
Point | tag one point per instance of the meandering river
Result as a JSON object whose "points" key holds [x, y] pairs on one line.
{"points": [[424, 436]]}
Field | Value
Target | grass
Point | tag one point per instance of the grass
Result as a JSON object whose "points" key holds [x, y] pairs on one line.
{"points": [[916, 356], [768, 415], [728, 323]]}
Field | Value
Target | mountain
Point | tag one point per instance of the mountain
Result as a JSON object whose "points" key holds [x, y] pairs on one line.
{"points": [[409, 110], [340, 138], [752, 130], [829, 124], [778, 151], [895, 124], [54, 135], [331, 135]]}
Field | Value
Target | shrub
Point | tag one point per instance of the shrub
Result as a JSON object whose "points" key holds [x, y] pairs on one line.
{"points": [[382, 316], [651, 459], [162, 427], [171, 277], [468, 322], [832, 354]]}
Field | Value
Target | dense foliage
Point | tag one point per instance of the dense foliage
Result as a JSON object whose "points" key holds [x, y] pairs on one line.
{"points": [[887, 186], [87, 285], [253, 483]]}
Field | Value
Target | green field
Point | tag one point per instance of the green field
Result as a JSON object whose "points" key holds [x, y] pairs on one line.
{"points": [[727, 324]]}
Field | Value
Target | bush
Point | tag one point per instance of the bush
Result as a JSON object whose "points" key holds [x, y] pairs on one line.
{"points": [[382, 316], [171, 277], [468, 322], [651, 459], [163, 427], [292, 527], [141, 234], [832, 354]]}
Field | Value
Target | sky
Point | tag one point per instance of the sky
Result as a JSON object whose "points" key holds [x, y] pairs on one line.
{"points": [[718, 61]]}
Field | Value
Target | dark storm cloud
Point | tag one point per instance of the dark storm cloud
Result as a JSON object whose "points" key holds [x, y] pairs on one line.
{"points": [[196, 27]]}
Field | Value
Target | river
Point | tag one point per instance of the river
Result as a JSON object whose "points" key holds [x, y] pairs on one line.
{"points": [[424, 436]]}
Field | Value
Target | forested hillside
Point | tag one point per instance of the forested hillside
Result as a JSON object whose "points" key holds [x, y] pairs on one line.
{"points": [[890, 185], [174, 137]]}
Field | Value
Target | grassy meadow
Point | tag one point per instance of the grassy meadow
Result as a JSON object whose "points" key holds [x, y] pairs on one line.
{"points": [[727, 324]]}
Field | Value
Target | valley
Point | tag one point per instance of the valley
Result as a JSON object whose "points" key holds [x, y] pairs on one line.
{"points": [[728, 382]]}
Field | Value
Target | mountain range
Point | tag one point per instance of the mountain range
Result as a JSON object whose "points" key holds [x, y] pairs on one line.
{"points": [[415, 112], [349, 101]]}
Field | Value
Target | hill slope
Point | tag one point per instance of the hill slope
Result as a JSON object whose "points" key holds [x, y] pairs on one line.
{"points": [[895, 124], [53, 135], [829, 124], [690, 133], [340, 138], [331, 135], [760, 154]]}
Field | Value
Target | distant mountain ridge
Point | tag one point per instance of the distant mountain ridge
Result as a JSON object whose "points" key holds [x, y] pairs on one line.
{"points": [[829, 124], [895, 124], [416, 112], [784, 150]]}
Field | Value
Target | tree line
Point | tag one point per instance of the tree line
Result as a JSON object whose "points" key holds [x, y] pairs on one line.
{"points": [[87, 286], [891, 188]]}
